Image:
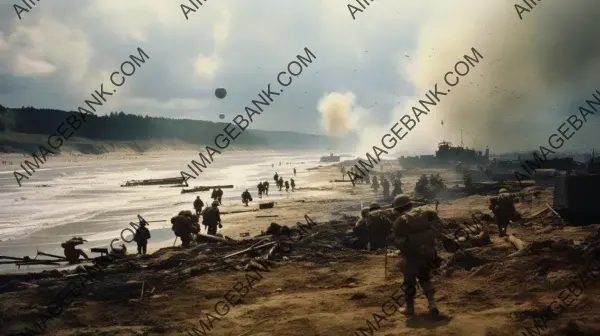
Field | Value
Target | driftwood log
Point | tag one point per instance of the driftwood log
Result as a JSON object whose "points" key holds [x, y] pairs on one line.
{"points": [[516, 242]]}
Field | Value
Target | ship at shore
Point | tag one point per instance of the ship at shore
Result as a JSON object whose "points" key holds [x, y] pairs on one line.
{"points": [[446, 156], [330, 158]]}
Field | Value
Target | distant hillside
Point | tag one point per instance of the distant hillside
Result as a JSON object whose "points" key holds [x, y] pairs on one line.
{"points": [[22, 129]]}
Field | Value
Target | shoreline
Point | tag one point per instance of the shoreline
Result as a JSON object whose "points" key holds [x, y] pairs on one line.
{"points": [[320, 287]]}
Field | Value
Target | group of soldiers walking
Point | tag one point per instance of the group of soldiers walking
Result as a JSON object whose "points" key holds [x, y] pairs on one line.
{"points": [[411, 231], [414, 233], [280, 183], [429, 187], [187, 225], [385, 186], [217, 195]]}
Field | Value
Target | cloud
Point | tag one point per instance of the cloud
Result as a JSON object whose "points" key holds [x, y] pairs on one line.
{"points": [[534, 71]]}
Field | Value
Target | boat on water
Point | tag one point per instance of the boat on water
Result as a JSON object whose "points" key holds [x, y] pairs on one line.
{"points": [[330, 158], [447, 155]]}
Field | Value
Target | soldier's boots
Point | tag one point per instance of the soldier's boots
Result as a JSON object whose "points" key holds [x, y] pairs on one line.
{"points": [[433, 309], [409, 310]]}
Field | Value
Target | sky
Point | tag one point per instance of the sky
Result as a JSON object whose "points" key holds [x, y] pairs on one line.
{"points": [[539, 64]]}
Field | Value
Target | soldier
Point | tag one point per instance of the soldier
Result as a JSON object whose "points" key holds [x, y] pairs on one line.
{"points": [[293, 184], [276, 177], [198, 205], [467, 180], [343, 170], [294, 173], [212, 218], [414, 235], [213, 195], [219, 195], [71, 253], [261, 189], [380, 222], [360, 230], [397, 187], [246, 197], [287, 186], [421, 187], [386, 187], [266, 186], [375, 185], [280, 183], [142, 234], [503, 207], [183, 226]]}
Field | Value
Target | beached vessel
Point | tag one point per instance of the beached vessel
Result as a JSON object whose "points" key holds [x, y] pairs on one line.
{"points": [[205, 188], [330, 158], [167, 180], [446, 155]]}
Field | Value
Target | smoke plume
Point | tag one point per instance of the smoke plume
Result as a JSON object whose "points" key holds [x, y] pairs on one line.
{"points": [[536, 71]]}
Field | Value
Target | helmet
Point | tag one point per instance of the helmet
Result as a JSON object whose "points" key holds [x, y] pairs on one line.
{"points": [[401, 201], [502, 191], [215, 204], [364, 212], [374, 206]]}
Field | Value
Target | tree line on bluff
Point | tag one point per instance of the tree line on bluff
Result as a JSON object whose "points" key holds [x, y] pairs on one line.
{"points": [[128, 127]]}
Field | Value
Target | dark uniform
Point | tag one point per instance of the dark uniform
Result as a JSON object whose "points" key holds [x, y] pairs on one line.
{"points": [[293, 184], [266, 186], [414, 235], [503, 207], [397, 187], [375, 184], [386, 187], [71, 253], [261, 189], [198, 205], [212, 218], [184, 225], [287, 186], [246, 197], [142, 234], [294, 171], [422, 185], [280, 183], [220, 196], [276, 177]]}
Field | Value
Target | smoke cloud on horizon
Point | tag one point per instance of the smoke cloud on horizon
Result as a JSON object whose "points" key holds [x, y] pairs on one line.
{"points": [[535, 73]]}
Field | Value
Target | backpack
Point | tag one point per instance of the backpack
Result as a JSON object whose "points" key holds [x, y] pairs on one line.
{"points": [[416, 227]]}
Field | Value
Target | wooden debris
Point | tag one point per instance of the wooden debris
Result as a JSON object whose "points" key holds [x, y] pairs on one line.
{"points": [[211, 238], [266, 216], [516, 242], [50, 255], [266, 205], [205, 188], [342, 180], [249, 249], [167, 180]]}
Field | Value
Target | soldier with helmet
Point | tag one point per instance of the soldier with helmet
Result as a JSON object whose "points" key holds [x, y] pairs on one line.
{"points": [[185, 224], [414, 235], [379, 221], [211, 217], [503, 207]]}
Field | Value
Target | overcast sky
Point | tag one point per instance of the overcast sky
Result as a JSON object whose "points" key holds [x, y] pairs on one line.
{"points": [[534, 73]]}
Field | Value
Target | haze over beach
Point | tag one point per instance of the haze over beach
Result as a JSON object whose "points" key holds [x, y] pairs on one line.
{"points": [[440, 148]]}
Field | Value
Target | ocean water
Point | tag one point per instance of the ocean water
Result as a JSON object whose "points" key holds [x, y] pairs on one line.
{"points": [[84, 198]]}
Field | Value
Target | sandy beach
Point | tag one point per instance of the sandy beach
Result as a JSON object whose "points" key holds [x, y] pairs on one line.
{"points": [[320, 288]]}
